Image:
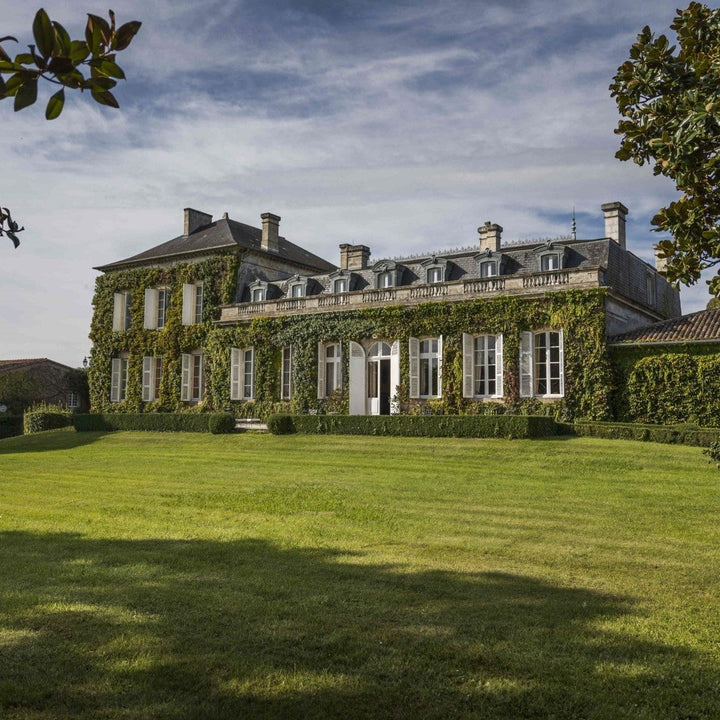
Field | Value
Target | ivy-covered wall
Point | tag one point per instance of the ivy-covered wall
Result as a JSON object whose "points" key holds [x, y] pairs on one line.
{"points": [[667, 384], [218, 274], [579, 313]]}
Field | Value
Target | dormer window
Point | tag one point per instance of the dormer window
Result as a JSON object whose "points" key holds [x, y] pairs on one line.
{"points": [[258, 291], [297, 290], [386, 279], [340, 285], [258, 295], [550, 261], [387, 274], [296, 286], [434, 275], [488, 268], [436, 270]]}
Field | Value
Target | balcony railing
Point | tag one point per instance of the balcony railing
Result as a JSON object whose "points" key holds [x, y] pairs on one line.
{"points": [[410, 295]]}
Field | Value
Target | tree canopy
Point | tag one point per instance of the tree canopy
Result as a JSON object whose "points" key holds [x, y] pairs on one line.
{"points": [[669, 99]]}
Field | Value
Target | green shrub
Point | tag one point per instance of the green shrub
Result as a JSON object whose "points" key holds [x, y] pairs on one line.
{"points": [[11, 425], [221, 423], [159, 422], [670, 434], [41, 416], [279, 424], [503, 426], [713, 452]]}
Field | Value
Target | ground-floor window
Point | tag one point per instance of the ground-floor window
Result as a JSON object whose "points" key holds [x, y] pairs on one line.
{"points": [[152, 377], [425, 358], [482, 366], [119, 379], [286, 373], [242, 373], [193, 377], [542, 364], [329, 369]]}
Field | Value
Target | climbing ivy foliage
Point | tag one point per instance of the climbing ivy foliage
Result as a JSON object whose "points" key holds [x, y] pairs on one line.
{"points": [[580, 314], [676, 386]]}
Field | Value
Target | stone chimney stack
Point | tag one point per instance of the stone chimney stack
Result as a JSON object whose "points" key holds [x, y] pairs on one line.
{"points": [[270, 225], [354, 257], [194, 219], [490, 236], [660, 263], [615, 213]]}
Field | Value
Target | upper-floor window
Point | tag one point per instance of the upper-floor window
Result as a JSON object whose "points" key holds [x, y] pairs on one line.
{"points": [[192, 312], [192, 381], [488, 268], [542, 371], [297, 290], [152, 377], [156, 305], [386, 279], [258, 295], [434, 275], [286, 373], [340, 285], [242, 373], [550, 261], [122, 309], [119, 378]]}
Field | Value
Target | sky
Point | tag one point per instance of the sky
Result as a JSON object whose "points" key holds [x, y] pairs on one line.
{"points": [[401, 125]]}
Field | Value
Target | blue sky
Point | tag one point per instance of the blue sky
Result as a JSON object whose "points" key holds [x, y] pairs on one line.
{"points": [[400, 125]]}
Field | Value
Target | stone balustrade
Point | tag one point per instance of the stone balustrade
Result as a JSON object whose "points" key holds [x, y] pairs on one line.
{"points": [[413, 294]]}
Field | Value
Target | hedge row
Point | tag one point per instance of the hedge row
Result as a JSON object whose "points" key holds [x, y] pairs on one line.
{"points": [[503, 426], [215, 423], [35, 421], [11, 426], [669, 434]]}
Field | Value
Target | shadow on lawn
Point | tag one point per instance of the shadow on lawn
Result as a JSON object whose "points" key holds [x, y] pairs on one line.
{"points": [[202, 629], [48, 441]]}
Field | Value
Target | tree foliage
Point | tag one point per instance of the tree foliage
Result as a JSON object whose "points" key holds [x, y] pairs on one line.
{"points": [[669, 99]]}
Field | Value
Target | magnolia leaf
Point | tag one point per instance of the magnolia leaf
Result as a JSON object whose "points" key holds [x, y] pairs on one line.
{"points": [[104, 97], [44, 33], [55, 105], [79, 50], [26, 94], [62, 40], [108, 67], [124, 34]]}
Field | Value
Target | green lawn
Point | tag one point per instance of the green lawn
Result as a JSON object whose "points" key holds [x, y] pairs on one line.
{"points": [[145, 575]]}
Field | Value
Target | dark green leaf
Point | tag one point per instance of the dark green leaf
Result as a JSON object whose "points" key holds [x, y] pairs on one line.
{"points": [[26, 94], [60, 65], [62, 40], [104, 97], [44, 33], [55, 105], [25, 59], [109, 68], [124, 34], [79, 50], [2, 88]]}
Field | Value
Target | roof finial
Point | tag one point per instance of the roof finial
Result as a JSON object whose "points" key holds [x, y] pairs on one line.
{"points": [[573, 231]]}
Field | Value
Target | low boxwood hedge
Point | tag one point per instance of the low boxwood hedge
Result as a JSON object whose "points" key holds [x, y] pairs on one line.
{"points": [[11, 426], [504, 426], [35, 421], [160, 422], [669, 434]]}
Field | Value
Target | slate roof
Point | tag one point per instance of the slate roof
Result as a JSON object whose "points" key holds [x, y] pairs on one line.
{"points": [[701, 326], [25, 363], [220, 235]]}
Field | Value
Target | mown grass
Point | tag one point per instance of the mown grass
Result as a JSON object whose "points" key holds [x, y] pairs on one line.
{"points": [[190, 576]]}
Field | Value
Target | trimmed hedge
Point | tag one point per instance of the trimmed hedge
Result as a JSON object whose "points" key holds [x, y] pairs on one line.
{"points": [[35, 421], [668, 434], [160, 422], [503, 426], [11, 426]]}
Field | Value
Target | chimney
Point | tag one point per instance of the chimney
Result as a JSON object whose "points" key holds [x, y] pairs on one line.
{"points": [[615, 213], [490, 236], [354, 257], [270, 225], [195, 219], [660, 263]]}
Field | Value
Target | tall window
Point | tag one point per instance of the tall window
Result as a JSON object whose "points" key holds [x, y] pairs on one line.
{"points": [[162, 298], [340, 285], [551, 261], [198, 302], [542, 364], [192, 387], [128, 310], [242, 373], [286, 374], [485, 366], [434, 275], [333, 377], [152, 377], [488, 268], [156, 304], [118, 379], [122, 310], [429, 367], [73, 401]]}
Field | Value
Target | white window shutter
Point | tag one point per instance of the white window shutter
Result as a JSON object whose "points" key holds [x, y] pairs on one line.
{"points": [[414, 358], [188, 306], [394, 377], [115, 380], [357, 379], [499, 389], [321, 371], [235, 363], [148, 381], [527, 365], [151, 308], [185, 377], [468, 345], [118, 312], [562, 363], [440, 364]]}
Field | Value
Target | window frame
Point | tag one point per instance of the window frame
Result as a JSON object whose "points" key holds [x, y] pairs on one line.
{"points": [[286, 368], [484, 265], [192, 377], [536, 363], [545, 257], [119, 378], [152, 377], [239, 360]]}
